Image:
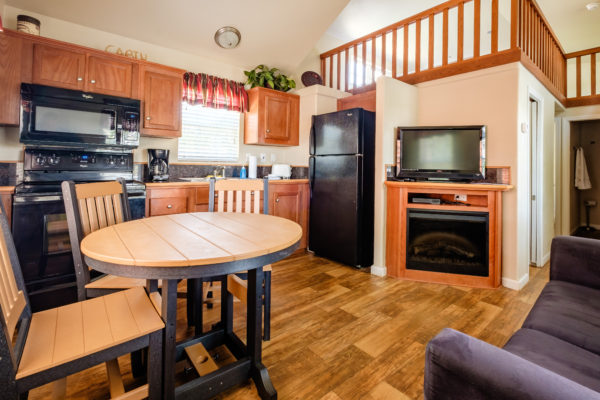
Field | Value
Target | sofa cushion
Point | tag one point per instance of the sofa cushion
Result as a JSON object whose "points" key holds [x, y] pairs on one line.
{"points": [[570, 312], [556, 355]]}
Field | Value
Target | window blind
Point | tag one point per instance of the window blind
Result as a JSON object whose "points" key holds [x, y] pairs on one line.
{"points": [[209, 134]]}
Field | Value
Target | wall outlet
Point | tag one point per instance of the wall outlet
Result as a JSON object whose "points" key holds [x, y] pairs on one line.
{"points": [[460, 197], [263, 157]]}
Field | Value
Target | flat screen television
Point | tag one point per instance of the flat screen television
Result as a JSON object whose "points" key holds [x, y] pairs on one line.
{"points": [[445, 153]]}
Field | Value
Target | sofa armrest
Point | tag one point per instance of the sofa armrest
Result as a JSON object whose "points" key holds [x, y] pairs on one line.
{"points": [[458, 366], [575, 260]]}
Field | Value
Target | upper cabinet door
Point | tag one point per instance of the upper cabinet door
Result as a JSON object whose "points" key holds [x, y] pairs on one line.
{"points": [[162, 103], [109, 76], [273, 118], [54, 66], [278, 114]]}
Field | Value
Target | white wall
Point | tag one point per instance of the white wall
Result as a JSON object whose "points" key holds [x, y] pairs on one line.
{"points": [[96, 39], [396, 105], [488, 97]]}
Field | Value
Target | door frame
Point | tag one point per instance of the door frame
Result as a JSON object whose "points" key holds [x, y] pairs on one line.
{"points": [[565, 181], [532, 95]]}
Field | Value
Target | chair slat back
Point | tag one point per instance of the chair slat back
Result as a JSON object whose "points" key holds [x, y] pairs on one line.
{"points": [[100, 205], [89, 207], [243, 195], [13, 297]]}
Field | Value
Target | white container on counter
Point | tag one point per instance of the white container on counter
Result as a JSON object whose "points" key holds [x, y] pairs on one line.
{"points": [[252, 167]]}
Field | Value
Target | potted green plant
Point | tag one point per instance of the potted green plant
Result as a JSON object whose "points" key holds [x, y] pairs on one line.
{"points": [[264, 76]]}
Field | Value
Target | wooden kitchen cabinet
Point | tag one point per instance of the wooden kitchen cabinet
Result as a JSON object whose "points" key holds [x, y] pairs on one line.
{"points": [[110, 76], [164, 201], [291, 201], [78, 70], [272, 119], [10, 79], [161, 102], [57, 66]]}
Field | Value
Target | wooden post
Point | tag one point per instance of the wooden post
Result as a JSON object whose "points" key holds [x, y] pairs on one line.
{"points": [[431, 40], [445, 41], [514, 23], [494, 26], [405, 59], [383, 55], [578, 68], [373, 59], [593, 71]]}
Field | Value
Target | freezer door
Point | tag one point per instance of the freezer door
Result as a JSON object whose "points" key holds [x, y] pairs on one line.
{"points": [[335, 208], [337, 133]]}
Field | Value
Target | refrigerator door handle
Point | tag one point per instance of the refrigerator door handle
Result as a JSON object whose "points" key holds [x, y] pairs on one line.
{"points": [[311, 150], [311, 174]]}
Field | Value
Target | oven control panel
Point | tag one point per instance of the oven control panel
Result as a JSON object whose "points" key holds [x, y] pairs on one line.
{"points": [[75, 160]]}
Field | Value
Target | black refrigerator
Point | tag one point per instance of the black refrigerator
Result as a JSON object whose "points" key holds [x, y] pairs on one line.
{"points": [[342, 175]]}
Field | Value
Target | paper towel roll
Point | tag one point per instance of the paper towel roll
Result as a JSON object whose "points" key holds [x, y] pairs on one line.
{"points": [[252, 167]]}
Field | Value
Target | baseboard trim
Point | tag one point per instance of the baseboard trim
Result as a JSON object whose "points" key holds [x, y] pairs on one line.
{"points": [[516, 285], [545, 259], [378, 271]]}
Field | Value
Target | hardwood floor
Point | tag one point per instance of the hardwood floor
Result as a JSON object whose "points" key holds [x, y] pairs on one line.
{"points": [[338, 333]]}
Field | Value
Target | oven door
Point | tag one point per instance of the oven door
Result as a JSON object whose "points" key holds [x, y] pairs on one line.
{"points": [[41, 236], [47, 120]]}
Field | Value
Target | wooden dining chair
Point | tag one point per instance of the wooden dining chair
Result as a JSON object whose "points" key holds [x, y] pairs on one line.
{"points": [[89, 207], [243, 195], [47, 346]]}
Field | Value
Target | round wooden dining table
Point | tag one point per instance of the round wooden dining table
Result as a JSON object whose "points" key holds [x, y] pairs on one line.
{"points": [[199, 246]]}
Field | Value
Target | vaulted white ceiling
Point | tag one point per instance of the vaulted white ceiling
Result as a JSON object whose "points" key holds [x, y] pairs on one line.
{"points": [[277, 33]]}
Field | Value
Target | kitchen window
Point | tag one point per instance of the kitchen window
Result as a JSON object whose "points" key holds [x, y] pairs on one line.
{"points": [[209, 134]]}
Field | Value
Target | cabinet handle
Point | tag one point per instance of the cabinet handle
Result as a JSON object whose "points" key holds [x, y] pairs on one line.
{"points": [[147, 118], [268, 130], [277, 200], [79, 79], [92, 81], [169, 206]]}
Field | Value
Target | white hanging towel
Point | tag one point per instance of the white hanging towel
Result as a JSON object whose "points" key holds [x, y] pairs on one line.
{"points": [[582, 178]]}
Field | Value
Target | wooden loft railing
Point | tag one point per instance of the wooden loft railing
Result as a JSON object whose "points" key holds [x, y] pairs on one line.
{"points": [[584, 86], [456, 37]]}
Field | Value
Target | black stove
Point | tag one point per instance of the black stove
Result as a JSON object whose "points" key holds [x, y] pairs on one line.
{"points": [[39, 222]]}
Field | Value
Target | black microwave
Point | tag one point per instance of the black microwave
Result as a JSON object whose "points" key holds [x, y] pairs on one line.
{"points": [[55, 116]]}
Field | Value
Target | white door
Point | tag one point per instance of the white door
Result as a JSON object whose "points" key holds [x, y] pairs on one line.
{"points": [[533, 183]]}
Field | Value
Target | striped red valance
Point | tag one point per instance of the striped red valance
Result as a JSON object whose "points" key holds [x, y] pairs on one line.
{"points": [[214, 92]]}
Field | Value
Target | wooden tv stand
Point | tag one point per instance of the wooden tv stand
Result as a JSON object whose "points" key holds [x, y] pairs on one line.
{"points": [[485, 198]]}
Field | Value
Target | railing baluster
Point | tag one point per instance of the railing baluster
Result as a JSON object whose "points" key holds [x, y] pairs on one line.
{"points": [[405, 56], [355, 64], [494, 26], [339, 75], [394, 52], [461, 28], [331, 71], [431, 39], [593, 72], [476, 27], [514, 23], [418, 46], [373, 59], [364, 63], [383, 55], [323, 71], [347, 62], [578, 80], [445, 41]]}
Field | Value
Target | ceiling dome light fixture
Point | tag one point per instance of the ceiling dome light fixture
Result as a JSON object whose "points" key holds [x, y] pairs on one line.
{"points": [[592, 6], [228, 37]]}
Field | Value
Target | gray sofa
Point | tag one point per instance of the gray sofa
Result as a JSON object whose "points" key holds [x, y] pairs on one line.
{"points": [[555, 354]]}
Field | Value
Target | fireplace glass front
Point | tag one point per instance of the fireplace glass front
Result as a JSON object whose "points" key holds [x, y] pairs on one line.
{"points": [[453, 242]]}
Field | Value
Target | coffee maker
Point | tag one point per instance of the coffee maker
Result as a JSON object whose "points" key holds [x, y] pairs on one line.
{"points": [[158, 164]]}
